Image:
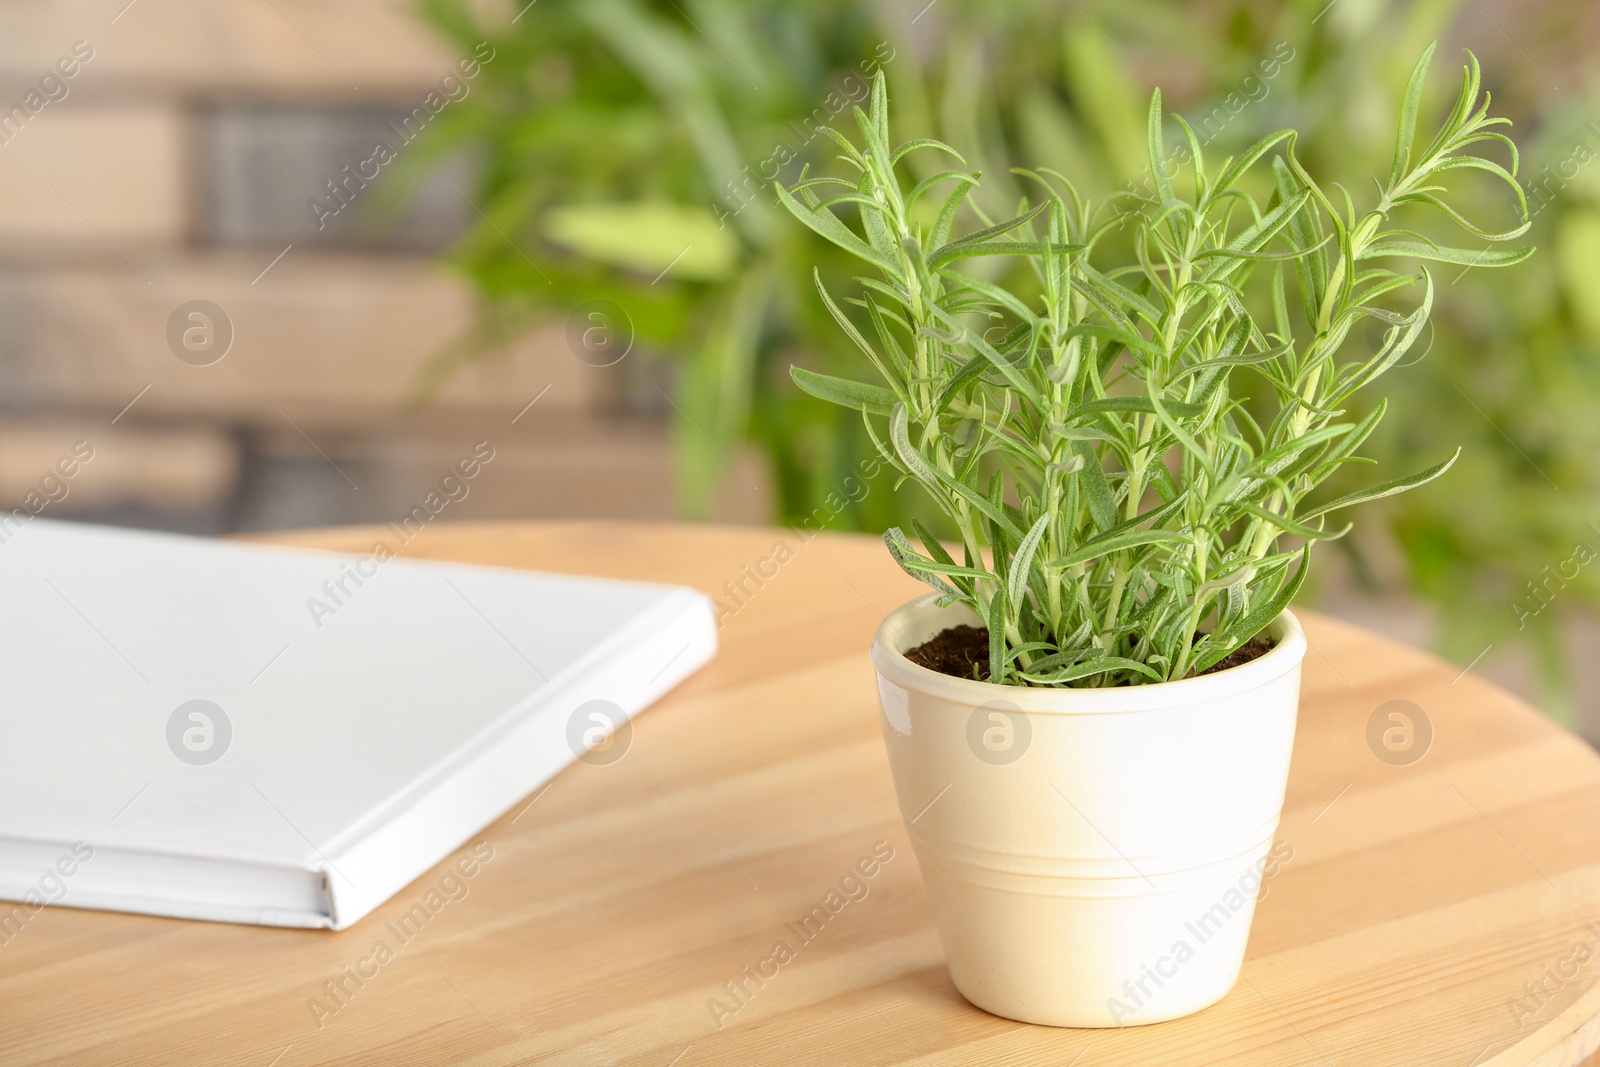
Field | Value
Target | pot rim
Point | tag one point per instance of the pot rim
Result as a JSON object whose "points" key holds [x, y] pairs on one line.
{"points": [[891, 663]]}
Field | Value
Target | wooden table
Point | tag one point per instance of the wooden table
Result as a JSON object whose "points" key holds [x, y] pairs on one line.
{"points": [[1419, 901]]}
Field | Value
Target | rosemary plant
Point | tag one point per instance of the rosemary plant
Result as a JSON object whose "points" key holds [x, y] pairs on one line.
{"points": [[1128, 510]]}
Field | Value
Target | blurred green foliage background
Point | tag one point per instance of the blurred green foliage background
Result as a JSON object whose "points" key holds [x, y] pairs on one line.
{"points": [[627, 151]]}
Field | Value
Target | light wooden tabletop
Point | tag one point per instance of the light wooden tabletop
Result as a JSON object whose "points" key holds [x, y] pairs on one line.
{"points": [[1434, 912]]}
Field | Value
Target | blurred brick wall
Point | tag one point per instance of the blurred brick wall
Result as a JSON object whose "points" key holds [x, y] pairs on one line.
{"points": [[175, 165]]}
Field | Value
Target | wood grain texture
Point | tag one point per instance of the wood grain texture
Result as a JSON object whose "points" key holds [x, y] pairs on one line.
{"points": [[1421, 905]]}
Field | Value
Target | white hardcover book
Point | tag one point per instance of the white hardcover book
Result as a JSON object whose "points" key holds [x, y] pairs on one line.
{"points": [[223, 731]]}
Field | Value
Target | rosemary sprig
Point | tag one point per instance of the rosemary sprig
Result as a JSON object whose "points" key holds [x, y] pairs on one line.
{"points": [[1126, 513]]}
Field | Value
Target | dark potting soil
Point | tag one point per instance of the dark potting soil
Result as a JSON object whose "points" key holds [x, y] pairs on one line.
{"points": [[1255, 647], [958, 652], [963, 652]]}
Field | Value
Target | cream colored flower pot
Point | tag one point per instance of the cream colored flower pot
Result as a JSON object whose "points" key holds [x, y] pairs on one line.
{"points": [[1093, 855]]}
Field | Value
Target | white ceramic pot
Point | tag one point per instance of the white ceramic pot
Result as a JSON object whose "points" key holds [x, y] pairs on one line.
{"points": [[1093, 855]]}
